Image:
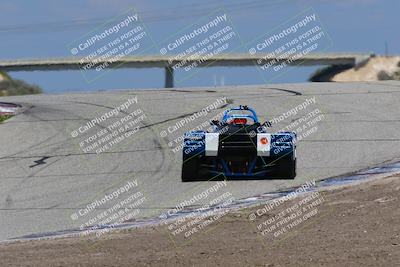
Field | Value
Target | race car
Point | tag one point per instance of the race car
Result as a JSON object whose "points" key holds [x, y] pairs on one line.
{"points": [[238, 147]]}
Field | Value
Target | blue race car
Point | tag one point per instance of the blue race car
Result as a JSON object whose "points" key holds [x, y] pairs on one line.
{"points": [[239, 147]]}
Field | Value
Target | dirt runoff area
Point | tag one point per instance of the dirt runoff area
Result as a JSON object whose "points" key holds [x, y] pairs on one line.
{"points": [[349, 226], [370, 71]]}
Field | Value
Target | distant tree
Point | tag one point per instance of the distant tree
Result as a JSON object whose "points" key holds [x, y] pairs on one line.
{"points": [[10, 87], [383, 75]]}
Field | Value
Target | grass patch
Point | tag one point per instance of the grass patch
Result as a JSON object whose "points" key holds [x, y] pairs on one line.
{"points": [[17, 87], [4, 117], [5, 76]]}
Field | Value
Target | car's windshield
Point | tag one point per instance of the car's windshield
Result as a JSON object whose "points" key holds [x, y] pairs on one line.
{"points": [[245, 117]]}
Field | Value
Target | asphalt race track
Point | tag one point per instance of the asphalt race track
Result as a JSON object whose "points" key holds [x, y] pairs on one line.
{"points": [[45, 176]]}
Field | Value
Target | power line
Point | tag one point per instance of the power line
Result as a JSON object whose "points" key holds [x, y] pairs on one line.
{"points": [[157, 15]]}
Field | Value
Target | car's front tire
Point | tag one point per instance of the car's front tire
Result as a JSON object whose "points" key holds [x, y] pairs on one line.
{"points": [[190, 169]]}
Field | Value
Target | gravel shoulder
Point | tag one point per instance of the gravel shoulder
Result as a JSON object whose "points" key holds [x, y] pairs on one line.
{"points": [[354, 226]]}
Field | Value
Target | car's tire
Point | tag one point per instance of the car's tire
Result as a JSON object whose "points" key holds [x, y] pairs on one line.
{"points": [[291, 172], [287, 167], [190, 169]]}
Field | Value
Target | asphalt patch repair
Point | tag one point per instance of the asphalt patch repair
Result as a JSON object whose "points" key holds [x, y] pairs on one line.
{"points": [[355, 225]]}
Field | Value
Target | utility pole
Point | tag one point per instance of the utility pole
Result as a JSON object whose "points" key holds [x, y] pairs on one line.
{"points": [[386, 49]]}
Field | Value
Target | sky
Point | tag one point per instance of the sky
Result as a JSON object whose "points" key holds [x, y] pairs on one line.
{"points": [[46, 28]]}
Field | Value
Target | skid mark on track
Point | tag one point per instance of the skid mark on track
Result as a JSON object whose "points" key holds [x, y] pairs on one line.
{"points": [[39, 161], [283, 90], [190, 91]]}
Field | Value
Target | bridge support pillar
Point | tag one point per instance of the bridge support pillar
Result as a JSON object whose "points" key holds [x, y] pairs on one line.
{"points": [[169, 77]]}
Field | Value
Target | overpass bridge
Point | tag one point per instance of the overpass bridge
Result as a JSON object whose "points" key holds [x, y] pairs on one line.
{"points": [[168, 61]]}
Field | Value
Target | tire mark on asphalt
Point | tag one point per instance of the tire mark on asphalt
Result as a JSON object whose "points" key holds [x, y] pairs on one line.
{"points": [[155, 140], [283, 90], [30, 148], [81, 154], [14, 189], [39, 162], [190, 91], [40, 145], [8, 200], [229, 101], [381, 84], [352, 93]]}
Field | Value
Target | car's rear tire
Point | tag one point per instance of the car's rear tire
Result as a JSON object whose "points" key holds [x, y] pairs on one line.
{"points": [[190, 169], [291, 172], [287, 167]]}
